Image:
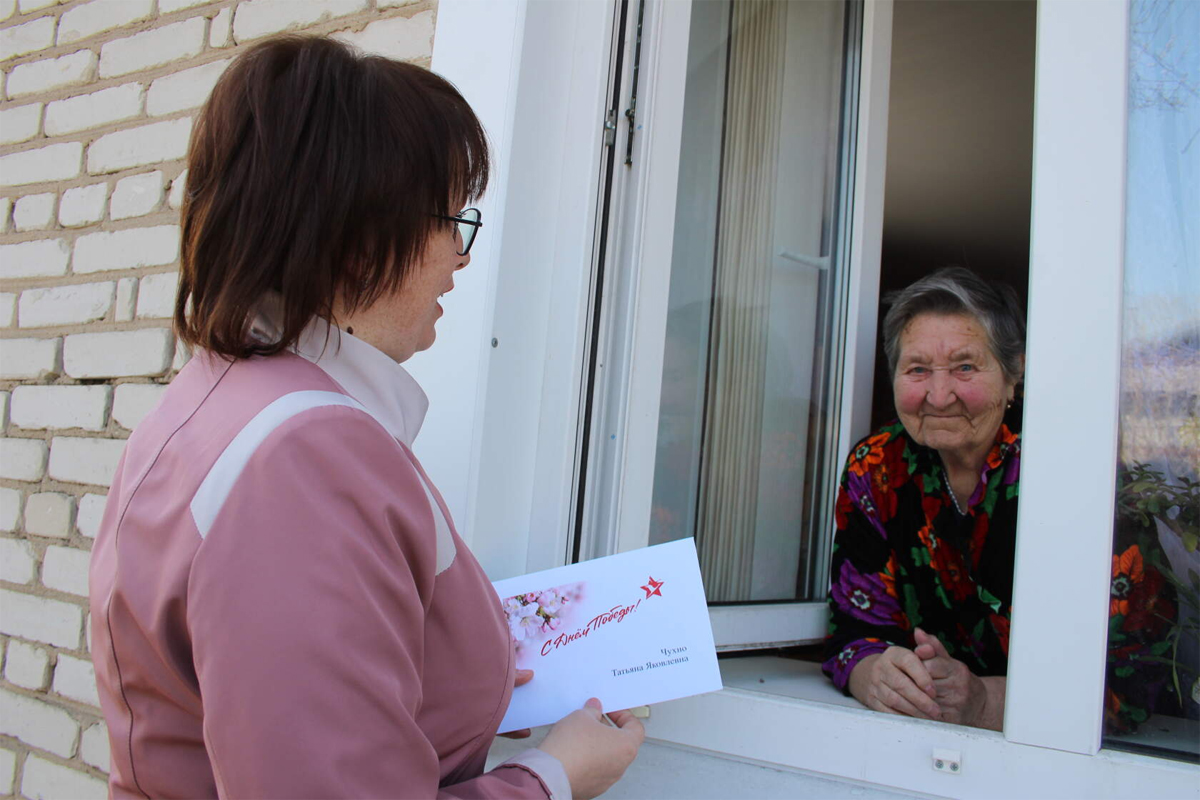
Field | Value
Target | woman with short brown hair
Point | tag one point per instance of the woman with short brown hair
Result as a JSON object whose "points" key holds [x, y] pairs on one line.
{"points": [[281, 606]]}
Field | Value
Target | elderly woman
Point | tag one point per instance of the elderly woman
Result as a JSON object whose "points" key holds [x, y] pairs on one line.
{"points": [[922, 572], [281, 606]]}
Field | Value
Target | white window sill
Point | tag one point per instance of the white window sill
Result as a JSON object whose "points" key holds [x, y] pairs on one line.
{"points": [[783, 677], [779, 730], [786, 714]]}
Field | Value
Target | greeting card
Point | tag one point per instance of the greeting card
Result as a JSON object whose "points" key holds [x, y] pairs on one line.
{"points": [[631, 629]]}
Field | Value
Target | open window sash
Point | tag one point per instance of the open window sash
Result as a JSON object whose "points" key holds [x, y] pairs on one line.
{"points": [[684, 144]]}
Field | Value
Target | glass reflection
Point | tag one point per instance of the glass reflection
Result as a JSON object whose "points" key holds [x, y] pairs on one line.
{"points": [[1153, 681]]}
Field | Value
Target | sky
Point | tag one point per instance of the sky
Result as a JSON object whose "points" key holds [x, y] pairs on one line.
{"points": [[1162, 263]]}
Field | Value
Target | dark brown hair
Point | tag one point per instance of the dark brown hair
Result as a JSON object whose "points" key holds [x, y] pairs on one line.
{"points": [[315, 172]]}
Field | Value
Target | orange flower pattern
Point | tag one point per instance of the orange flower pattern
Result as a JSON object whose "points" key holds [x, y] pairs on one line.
{"points": [[904, 557], [1127, 572], [1142, 612]]}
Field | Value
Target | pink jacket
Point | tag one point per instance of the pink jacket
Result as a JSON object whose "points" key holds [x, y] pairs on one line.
{"points": [[282, 608]]}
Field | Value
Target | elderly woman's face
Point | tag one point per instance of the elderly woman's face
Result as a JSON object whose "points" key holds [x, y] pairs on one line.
{"points": [[950, 390]]}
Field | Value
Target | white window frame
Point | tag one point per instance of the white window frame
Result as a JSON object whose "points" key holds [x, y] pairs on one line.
{"points": [[1051, 744], [621, 479]]}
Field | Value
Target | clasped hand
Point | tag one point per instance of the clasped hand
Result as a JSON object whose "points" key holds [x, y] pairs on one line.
{"points": [[925, 682]]}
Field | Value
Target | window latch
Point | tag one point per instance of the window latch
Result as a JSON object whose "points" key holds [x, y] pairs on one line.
{"points": [[610, 127]]}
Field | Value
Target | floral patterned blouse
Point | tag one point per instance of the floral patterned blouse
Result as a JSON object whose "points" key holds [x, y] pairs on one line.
{"points": [[905, 557]]}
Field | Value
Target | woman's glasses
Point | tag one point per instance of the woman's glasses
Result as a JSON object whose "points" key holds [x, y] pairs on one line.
{"points": [[467, 224]]}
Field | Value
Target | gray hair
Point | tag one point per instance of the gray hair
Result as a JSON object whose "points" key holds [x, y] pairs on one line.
{"points": [[955, 290]]}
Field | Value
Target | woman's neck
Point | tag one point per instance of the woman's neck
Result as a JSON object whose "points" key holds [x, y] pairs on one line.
{"points": [[962, 473]]}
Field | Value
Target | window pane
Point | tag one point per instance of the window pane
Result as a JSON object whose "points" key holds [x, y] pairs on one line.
{"points": [[1153, 685], [746, 406]]}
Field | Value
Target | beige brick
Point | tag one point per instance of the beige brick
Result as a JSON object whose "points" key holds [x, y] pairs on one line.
{"points": [[93, 110], [167, 6], [7, 9], [5, 397], [394, 3], [74, 677], [34, 212], [39, 724], [73, 69], [23, 359], [136, 147], [54, 162], [133, 401], [258, 18], [20, 124], [66, 569], [40, 258], [136, 195], [18, 564], [66, 305], [28, 38], [91, 512], [27, 666], [183, 90], [156, 295], [178, 186], [49, 514], [401, 38], [43, 780], [127, 249], [8, 759], [5, 208], [126, 299], [10, 509], [41, 407], [82, 205], [36, 5], [93, 747], [118, 354], [22, 460], [220, 30], [152, 48], [41, 619], [183, 354], [79, 460], [8, 309], [88, 19]]}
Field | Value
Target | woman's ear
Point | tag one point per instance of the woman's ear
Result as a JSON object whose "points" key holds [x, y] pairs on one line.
{"points": [[1012, 389]]}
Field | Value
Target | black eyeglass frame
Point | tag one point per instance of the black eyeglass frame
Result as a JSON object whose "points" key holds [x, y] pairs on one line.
{"points": [[475, 225]]}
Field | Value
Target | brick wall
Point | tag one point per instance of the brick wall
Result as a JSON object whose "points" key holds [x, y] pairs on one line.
{"points": [[97, 105]]}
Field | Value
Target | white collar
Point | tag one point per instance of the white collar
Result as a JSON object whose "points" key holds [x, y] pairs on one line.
{"points": [[368, 375]]}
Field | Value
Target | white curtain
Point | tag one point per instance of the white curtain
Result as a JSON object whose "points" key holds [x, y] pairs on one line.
{"points": [[737, 360]]}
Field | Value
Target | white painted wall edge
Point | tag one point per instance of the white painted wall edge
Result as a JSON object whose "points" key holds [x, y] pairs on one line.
{"points": [[477, 46]]}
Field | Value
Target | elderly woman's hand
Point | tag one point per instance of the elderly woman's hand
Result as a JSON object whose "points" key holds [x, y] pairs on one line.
{"points": [[965, 698], [895, 681]]}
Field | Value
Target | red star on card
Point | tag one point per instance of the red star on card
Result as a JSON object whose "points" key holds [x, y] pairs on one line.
{"points": [[653, 587]]}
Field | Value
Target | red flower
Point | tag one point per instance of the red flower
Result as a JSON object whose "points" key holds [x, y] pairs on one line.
{"points": [[843, 509], [1127, 573], [1146, 607], [947, 563], [1000, 624], [1005, 439], [887, 476]]}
